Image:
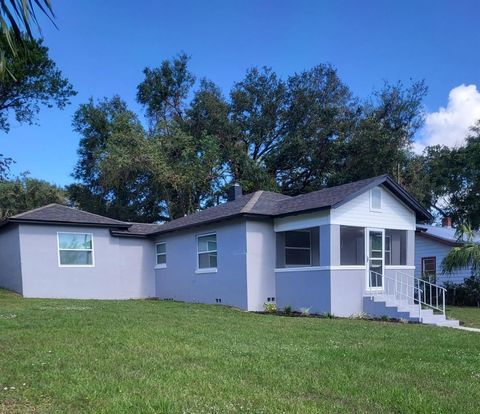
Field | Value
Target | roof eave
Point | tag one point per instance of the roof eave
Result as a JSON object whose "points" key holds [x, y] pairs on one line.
{"points": [[299, 212], [63, 223], [128, 235], [206, 222], [450, 243]]}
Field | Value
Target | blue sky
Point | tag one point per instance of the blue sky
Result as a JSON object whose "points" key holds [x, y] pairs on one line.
{"points": [[103, 46]]}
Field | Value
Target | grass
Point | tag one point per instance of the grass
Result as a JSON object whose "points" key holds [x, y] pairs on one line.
{"points": [[65, 356], [470, 316]]}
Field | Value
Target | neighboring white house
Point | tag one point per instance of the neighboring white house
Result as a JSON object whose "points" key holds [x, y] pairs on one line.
{"points": [[433, 243], [343, 250]]}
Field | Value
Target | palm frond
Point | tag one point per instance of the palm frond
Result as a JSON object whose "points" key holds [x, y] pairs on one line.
{"points": [[463, 257], [16, 18], [465, 233]]}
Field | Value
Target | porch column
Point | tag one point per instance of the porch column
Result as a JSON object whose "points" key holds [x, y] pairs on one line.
{"points": [[334, 245], [410, 247]]}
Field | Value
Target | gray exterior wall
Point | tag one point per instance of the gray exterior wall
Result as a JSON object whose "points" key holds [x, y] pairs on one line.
{"points": [[180, 279], [426, 247], [260, 263], [123, 266], [10, 264], [308, 287], [347, 289], [329, 287], [304, 289]]}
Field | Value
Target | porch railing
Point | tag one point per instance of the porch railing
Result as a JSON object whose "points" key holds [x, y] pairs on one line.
{"points": [[409, 290]]}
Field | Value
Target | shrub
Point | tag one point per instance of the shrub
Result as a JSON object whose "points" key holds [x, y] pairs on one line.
{"points": [[270, 307], [464, 294], [361, 315], [287, 310]]}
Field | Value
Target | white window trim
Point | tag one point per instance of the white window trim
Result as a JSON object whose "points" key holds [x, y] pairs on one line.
{"points": [[348, 267], [317, 268], [161, 265], [78, 250], [206, 269], [404, 267], [371, 200], [299, 248]]}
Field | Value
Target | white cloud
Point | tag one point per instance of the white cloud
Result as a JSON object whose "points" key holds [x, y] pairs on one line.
{"points": [[449, 126]]}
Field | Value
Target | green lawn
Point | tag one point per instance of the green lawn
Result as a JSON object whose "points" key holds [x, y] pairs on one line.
{"points": [[470, 316], [65, 356]]}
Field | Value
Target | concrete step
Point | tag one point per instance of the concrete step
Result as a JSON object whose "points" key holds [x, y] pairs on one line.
{"points": [[439, 320], [446, 323], [387, 305]]}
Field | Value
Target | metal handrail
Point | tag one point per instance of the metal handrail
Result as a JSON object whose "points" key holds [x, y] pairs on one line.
{"points": [[409, 288]]}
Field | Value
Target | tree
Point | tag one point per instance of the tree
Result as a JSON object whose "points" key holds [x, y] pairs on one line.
{"points": [[320, 110], [113, 161], [16, 18], [466, 256], [381, 138], [447, 180], [25, 193], [164, 90], [294, 135], [37, 81], [465, 180], [185, 171]]}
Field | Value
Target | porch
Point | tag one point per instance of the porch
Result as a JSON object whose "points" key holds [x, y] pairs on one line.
{"points": [[348, 270]]}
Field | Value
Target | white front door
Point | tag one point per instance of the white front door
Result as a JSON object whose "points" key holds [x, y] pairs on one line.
{"points": [[375, 258]]}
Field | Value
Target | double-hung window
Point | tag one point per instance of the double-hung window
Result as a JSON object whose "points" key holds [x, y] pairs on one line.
{"points": [[207, 252], [161, 253], [429, 267], [75, 249]]}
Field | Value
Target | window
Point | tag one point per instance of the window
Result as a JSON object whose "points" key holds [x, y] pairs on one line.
{"points": [[352, 246], [376, 199], [297, 248], [395, 247], [75, 249], [207, 251], [429, 267], [161, 252], [388, 249]]}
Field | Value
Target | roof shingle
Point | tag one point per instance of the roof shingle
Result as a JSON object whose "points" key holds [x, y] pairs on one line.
{"points": [[57, 213], [259, 203]]}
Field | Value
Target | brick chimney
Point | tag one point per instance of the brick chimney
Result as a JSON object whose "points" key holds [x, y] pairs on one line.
{"points": [[234, 192], [447, 222]]}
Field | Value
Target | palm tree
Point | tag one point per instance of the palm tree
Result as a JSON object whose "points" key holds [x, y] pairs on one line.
{"points": [[18, 17], [466, 256]]}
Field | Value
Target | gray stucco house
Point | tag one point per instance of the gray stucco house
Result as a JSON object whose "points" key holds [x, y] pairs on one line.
{"points": [[344, 250], [433, 243]]}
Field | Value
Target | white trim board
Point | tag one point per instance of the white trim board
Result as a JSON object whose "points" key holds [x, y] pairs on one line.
{"points": [[317, 268], [393, 267]]}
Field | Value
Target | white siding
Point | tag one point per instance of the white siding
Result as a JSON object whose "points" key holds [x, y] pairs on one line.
{"points": [[393, 215], [426, 247]]}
